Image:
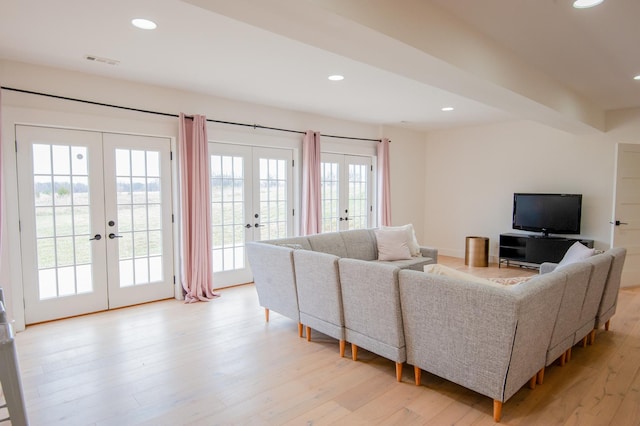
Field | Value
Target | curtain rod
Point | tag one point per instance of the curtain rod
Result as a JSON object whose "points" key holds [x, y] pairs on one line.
{"points": [[166, 114]]}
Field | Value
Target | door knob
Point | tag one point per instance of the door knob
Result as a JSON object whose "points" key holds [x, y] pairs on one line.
{"points": [[112, 236], [257, 225], [248, 225], [96, 237], [618, 223]]}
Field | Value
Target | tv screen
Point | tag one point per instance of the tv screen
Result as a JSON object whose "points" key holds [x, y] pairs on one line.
{"points": [[547, 213]]}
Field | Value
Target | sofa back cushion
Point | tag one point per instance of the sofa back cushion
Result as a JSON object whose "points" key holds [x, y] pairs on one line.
{"points": [[291, 242], [360, 244], [330, 242]]}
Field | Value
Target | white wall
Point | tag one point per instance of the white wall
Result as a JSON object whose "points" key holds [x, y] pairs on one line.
{"points": [[472, 173], [407, 151]]}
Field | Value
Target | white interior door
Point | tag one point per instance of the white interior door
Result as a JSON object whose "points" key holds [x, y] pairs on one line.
{"points": [[346, 192], [626, 232], [72, 198], [251, 200]]}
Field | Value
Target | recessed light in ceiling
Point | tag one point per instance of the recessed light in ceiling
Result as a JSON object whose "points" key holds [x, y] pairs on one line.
{"points": [[336, 77], [447, 109], [637, 77], [144, 24], [584, 4]]}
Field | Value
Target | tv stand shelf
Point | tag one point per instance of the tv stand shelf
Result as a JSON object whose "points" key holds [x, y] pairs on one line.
{"points": [[532, 250]]}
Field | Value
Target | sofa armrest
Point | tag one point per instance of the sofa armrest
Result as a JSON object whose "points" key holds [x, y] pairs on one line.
{"points": [[274, 279], [547, 267], [431, 252]]}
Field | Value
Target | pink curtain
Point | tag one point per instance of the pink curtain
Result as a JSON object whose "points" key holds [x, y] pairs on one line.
{"points": [[311, 215], [197, 271], [384, 184], [1, 181]]}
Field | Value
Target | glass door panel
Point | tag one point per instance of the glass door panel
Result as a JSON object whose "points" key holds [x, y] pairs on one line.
{"points": [[274, 193], [60, 182], [345, 192], [138, 227]]}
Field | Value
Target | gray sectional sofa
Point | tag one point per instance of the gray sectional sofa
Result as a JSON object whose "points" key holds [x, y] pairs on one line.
{"points": [[298, 277], [490, 338]]}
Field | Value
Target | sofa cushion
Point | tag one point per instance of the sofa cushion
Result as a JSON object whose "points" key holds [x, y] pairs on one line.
{"points": [[284, 242], [412, 241], [330, 242], [360, 244], [439, 269], [393, 244], [415, 263]]}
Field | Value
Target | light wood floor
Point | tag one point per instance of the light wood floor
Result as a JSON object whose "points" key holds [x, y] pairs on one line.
{"points": [[167, 363]]}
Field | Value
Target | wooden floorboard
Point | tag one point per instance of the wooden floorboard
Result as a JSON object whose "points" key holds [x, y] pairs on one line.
{"points": [[170, 363]]}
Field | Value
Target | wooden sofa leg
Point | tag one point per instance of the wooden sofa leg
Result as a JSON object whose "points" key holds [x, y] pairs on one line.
{"points": [[584, 341], [569, 354], [299, 329], [497, 410], [354, 352], [417, 372], [563, 359], [399, 371], [308, 334], [266, 314], [342, 345], [592, 337], [532, 381], [606, 325], [540, 375]]}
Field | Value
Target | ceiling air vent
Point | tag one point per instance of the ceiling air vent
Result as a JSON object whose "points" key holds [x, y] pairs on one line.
{"points": [[103, 60]]}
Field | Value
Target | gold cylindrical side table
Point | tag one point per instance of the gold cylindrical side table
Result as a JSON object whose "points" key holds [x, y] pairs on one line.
{"points": [[476, 251]]}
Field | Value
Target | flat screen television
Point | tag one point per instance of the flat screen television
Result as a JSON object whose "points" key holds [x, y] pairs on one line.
{"points": [[547, 213]]}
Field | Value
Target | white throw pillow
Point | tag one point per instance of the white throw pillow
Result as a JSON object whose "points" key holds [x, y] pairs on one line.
{"points": [[414, 247], [392, 244], [576, 253]]}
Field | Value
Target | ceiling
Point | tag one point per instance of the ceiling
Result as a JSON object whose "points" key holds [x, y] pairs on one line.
{"points": [[492, 60]]}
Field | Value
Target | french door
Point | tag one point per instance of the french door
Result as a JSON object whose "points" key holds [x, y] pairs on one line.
{"points": [[251, 200], [95, 216], [346, 188]]}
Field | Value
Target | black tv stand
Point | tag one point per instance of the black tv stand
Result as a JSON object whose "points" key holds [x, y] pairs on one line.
{"points": [[532, 250]]}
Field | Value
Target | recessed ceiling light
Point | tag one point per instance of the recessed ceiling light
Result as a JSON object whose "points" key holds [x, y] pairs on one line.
{"points": [[144, 24], [584, 4], [336, 77], [447, 109], [637, 77]]}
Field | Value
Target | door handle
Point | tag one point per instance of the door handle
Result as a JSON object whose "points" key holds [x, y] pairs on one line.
{"points": [[112, 236], [248, 225], [257, 225], [96, 237], [618, 223]]}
